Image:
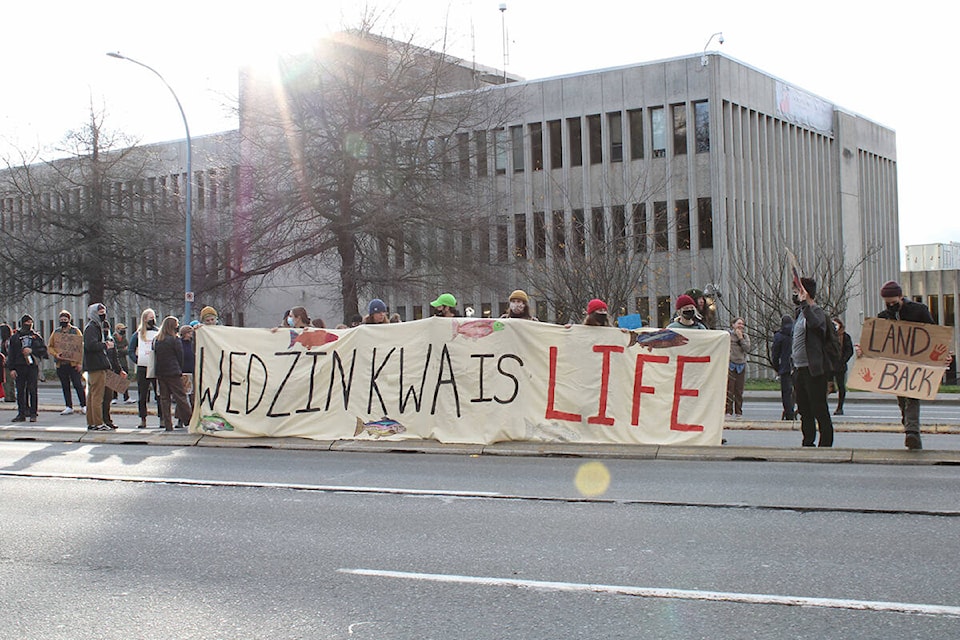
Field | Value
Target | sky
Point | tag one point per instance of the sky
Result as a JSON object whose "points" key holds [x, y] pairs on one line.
{"points": [[893, 63]]}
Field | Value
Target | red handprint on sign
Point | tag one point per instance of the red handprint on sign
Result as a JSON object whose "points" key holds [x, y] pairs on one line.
{"points": [[938, 352], [866, 375]]}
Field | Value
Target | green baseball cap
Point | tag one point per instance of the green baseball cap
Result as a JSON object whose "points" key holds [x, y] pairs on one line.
{"points": [[444, 300]]}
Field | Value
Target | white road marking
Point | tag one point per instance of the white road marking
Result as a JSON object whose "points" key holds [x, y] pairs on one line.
{"points": [[678, 594]]}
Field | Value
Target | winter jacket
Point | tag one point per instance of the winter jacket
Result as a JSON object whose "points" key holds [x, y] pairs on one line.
{"points": [[816, 326], [783, 347], [94, 348], [168, 357], [21, 339], [910, 311], [189, 358]]}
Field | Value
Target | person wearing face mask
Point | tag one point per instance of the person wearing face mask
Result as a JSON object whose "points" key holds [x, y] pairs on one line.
{"points": [[140, 351], [687, 315], [25, 350], [810, 370], [67, 370], [519, 306], [96, 363], [445, 306], [120, 339], [897, 307]]}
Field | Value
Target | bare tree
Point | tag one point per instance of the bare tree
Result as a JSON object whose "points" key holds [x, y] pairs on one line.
{"points": [[80, 226], [362, 157], [764, 288]]}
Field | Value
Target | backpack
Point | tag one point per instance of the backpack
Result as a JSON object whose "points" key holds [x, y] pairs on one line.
{"points": [[832, 349]]}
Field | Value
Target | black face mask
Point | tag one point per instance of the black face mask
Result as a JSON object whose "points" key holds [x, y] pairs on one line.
{"points": [[796, 300], [893, 307], [63, 324], [689, 314], [151, 324], [103, 317]]}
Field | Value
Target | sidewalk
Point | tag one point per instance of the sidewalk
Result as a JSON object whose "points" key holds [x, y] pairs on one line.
{"points": [[748, 440]]}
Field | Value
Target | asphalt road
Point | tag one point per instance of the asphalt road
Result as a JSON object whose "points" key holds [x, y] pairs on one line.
{"points": [[129, 541]]}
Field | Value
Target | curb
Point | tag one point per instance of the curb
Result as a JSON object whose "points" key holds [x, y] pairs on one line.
{"points": [[521, 449]]}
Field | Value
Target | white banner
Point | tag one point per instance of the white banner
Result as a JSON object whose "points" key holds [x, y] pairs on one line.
{"points": [[462, 380]]}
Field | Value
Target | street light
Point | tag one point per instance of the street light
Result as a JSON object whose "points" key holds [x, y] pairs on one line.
{"points": [[188, 293]]}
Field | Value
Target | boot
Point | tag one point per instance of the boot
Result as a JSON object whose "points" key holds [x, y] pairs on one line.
{"points": [[143, 423]]}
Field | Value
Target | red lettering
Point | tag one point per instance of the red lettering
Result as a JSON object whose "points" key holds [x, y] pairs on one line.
{"points": [[606, 350], [638, 386], [679, 391], [552, 413]]}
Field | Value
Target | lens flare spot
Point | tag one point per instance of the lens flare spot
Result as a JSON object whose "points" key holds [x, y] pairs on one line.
{"points": [[592, 479]]}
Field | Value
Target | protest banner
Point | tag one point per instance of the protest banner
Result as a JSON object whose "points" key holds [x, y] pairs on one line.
{"points": [[69, 347], [901, 358], [462, 380], [116, 382]]}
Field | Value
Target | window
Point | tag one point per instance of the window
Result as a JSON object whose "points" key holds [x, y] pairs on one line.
{"points": [[705, 222], [615, 125], [635, 122], [399, 253], [949, 318], [500, 151], [658, 129], [559, 236], [639, 227], [933, 303], [576, 142], [463, 151], [596, 139], [599, 225], [556, 144], [481, 144], [701, 117], [539, 235], [681, 211], [466, 246], [579, 232], [664, 310], [536, 146], [483, 254], [619, 229], [679, 129], [643, 308], [516, 140], [503, 250], [520, 236], [661, 241]]}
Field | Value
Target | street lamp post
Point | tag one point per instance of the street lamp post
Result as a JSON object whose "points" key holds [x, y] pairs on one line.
{"points": [[188, 293]]}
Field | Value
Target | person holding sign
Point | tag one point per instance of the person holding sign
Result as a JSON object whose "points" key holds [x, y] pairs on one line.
{"points": [[687, 315], [810, 370], [25, 349], [65, 345], [141, 352], [898, 308]]}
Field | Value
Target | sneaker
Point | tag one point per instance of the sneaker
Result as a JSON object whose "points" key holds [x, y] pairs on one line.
{"points": [[82, 410], [97, 427], [66, 412], [114, 401], [33, 418], [110, 427], [912, 441], [19, 419], [129, 401]]}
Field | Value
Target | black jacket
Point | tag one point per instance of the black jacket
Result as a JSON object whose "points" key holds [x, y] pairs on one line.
{"points": [[21, 339], [94, 348], [910, 311], [168, 356], [783, 347], [816, 321]]}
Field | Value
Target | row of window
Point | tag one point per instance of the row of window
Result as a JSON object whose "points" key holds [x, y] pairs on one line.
{"points": [[624, 228]]}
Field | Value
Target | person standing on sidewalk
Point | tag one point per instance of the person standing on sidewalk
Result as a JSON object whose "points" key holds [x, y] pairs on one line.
{"points": [[736, 377], [810, 371], [141, 352], [113, 357], [783, 365], [896, 307], [67, 370], [96, 363], [25, 350], [168, 353], [846, 352], [120, 339]]}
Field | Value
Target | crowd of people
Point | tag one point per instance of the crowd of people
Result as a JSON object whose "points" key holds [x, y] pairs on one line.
{"points": [[162, 357]]}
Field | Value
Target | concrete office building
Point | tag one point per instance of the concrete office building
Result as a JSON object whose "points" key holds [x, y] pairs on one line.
{"points": [[932, 277]]}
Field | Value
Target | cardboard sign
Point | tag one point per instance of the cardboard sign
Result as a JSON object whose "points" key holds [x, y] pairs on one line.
{"points": [[901, 358], [116, 382], [462, 380], [69, 347]]}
